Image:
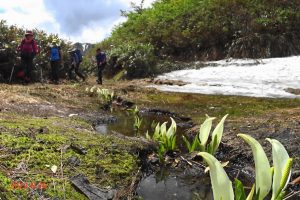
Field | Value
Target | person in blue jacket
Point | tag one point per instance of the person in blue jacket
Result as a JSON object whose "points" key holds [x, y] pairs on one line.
{"points": [[56, 59]]}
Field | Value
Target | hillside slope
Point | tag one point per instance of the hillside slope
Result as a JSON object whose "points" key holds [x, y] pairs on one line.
{"points": [[192, 30]]}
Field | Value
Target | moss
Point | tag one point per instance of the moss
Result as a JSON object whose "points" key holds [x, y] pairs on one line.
{"points": [[35, 144]]}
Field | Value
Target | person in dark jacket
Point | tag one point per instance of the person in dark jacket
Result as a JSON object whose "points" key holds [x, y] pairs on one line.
{"points": [[76, 59], [101, 62], [28, 49], [56, 59]]}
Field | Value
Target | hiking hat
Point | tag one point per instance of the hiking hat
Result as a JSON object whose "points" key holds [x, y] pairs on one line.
{"points": [[71, 50], [28, 32]]}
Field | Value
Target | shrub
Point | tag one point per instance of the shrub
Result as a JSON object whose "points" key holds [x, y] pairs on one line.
{"points": [[10, 38], [137, 60]]}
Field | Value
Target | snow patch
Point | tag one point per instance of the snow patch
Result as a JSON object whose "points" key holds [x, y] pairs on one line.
{"points": [[243, 77]]}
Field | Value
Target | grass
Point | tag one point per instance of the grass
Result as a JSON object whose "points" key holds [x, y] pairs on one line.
{"points": [[197, 105], [107, 162]]}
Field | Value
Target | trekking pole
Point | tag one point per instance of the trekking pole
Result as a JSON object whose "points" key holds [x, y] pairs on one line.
{"points": [[11, 74], [42, 80]]}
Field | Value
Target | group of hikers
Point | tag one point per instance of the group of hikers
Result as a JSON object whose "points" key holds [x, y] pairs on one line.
{"points": [[29, 49]]}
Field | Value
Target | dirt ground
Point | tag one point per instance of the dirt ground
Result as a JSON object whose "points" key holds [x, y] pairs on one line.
{"points": [[261, 118]]}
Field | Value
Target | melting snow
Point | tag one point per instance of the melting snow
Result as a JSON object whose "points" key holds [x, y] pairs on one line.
{"points": [[243, 77]]}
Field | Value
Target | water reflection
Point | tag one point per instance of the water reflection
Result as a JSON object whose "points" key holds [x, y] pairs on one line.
{"points": [[173, 187]]}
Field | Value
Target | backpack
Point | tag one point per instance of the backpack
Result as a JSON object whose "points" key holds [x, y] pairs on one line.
{"points": [[79, 55], [54, 54]]}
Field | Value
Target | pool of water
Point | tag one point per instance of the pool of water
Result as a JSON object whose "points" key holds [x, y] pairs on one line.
{"points": [[166, 184], [124, 124], [174, 186]]}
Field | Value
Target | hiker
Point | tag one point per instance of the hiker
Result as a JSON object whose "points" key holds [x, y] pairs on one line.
{"points": [[28, 50], [76, 59], [56, 59], [101, 62]]}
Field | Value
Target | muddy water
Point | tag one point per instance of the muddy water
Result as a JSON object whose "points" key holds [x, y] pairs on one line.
{"points": [[165, 184], [168, 184], [124, 122]]}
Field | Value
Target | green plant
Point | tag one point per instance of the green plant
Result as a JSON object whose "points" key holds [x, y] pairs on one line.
{"points": [[263, 173], [106, 95], [137, 123], [222, 186], [137, 120], [166, 138], [282, 168], [200, 141], [134, 111]]}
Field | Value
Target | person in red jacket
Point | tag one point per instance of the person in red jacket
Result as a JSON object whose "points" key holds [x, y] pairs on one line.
{"points": [[28, 49]]}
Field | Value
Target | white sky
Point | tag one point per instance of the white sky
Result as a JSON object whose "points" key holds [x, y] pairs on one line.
{"points": [[75, 20]]}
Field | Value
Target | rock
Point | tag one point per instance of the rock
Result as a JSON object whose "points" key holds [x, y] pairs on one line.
{"points": [[74, 161], [153, 159], [43, 130], [169, 82], [78, 149], [166, 113], [185, 125], [123, 103], [293, 91], [92, 192]]}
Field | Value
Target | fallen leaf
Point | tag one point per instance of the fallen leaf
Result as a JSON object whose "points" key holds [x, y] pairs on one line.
{"points": [[54, 169]]}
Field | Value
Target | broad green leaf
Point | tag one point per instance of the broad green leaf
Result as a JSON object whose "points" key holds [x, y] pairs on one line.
{"points": [[263, 176], [163, 129], [239, 190], [187, 144], [161, 151], [224, 164], [201, 147], [212, 145], [173, 143], [172, 129], [251, 194], [218, 133], [281, 196], [148, 137], [195, 144], [205, 130], [280, 160], [156, 134], [221, 185], [286, 175]]}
